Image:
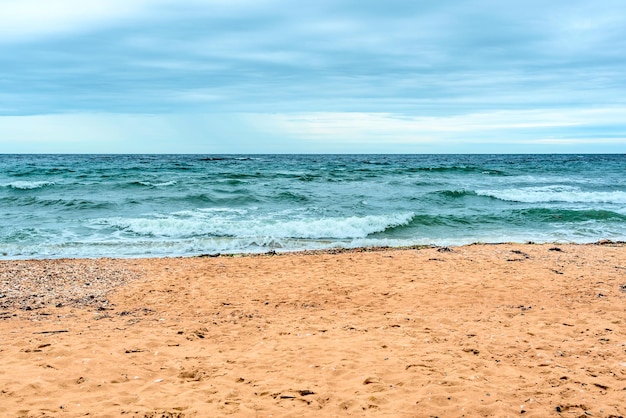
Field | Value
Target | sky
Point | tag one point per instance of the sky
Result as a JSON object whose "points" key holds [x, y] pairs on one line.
{"points": [[323, 76]]}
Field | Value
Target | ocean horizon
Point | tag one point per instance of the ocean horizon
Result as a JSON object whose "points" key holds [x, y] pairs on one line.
{"points": [[159, 205]]}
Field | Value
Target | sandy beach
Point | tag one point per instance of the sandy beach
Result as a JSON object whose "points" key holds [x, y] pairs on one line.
{"points": [[481, 330]]}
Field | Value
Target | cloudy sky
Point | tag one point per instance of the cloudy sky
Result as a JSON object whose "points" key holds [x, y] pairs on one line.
{"points": [[323, 76]]}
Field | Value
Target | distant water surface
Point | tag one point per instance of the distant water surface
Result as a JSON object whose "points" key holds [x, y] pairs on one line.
{"points": [[169, 205]]}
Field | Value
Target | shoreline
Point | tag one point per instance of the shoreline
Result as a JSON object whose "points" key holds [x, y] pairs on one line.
{"points": [[333, 250], [476, 330]]}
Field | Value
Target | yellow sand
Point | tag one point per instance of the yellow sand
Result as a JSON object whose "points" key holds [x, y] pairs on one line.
{"points": [[482, 330]]}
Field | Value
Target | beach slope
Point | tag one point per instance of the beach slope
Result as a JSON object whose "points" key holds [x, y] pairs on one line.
{"points": [[479, 330]]}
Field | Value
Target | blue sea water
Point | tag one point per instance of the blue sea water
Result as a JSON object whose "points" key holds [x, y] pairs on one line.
{"points": [[168, 205]]}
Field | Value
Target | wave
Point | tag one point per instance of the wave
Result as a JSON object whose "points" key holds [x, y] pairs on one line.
{"points": [[243, 177], [232, 182], [291, 197], [455, 169], [42, 172], [27, 203], [231, 199], [455, 194], [571, 216], [307, 177], [534, 216], [16, 235], [151, 184], [201, 225], [446, 195], [374, 162], [219, 158], [547, 194], [28, 185]]}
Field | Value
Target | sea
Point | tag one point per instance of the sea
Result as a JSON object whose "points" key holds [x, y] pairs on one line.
{"points": [[58, 206]]}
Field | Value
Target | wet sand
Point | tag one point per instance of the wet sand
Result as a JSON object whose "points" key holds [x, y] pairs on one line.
{"points": [[480, 330]]}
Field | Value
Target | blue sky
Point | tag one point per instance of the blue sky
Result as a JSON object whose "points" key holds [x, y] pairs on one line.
{"points": [[324, 76]]}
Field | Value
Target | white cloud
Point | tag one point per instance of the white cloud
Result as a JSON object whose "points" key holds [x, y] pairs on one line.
{"points": [[78, 132], [30, 19], [131, 133], [556, 130], [579, 141], [25, 20], [520, 126], [323, 73]]}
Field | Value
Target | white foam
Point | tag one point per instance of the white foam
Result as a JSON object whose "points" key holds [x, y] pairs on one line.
{"points": [[163, 184], [28, 185], [223, 210], [204, 224], [547, 194]]}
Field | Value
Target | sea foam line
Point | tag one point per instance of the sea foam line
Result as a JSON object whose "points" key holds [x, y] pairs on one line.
{"points": [[28, 185], [554, 194], [226, 226]]}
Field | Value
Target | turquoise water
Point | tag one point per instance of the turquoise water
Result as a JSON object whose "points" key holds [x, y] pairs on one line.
{"points": [[169, 205]]}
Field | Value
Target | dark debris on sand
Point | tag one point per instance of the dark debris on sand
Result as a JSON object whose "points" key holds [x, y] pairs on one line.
{"points": [[36, 284]]}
